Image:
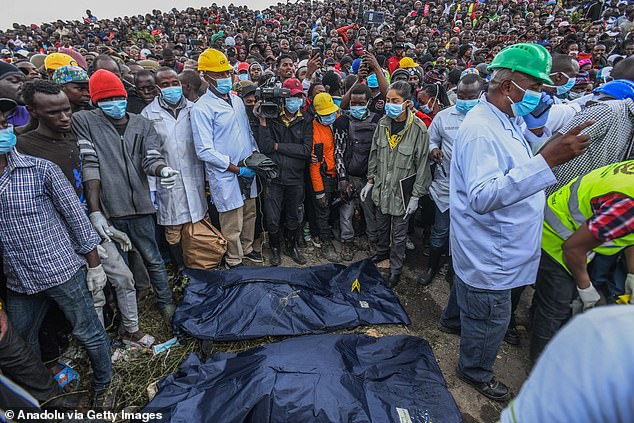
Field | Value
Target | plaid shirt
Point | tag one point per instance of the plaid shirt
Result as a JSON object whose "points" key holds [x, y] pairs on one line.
{"points": [[43, 228], [613, 217], [610, 139]]}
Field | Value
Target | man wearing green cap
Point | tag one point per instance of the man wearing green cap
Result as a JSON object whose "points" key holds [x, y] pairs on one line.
{"points": [[496, 207], [73, 80]]}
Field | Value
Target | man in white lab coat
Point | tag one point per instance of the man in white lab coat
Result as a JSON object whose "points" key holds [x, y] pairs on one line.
{"points": [[185, 203], [223, 139], [496, 203]]}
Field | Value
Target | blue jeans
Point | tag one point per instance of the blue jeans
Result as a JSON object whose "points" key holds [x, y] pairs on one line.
{"points": [[26, 313], [142, 233], [609, 271], [440, 230], [483, 317]]}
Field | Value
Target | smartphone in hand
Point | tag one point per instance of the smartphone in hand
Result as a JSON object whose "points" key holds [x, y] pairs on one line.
{"points": [[319, 151]]}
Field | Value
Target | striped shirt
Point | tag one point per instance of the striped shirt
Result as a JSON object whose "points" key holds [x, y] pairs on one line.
{"points": [[43, 227]]}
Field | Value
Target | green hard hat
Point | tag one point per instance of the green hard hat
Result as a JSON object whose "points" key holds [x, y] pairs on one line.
{"points": [[528, 58]]}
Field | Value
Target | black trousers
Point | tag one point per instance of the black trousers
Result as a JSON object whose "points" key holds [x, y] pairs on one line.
{"points": [[322, 214], [554, 291], [286, 198], [20, 364]]}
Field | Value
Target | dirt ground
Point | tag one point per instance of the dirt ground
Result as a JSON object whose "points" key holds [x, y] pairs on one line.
{"points": [[424, 306]]}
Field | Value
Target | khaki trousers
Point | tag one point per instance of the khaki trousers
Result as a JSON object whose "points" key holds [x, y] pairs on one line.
{"points": [[238, 228]]}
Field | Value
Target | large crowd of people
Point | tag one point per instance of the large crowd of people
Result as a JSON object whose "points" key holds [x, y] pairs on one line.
{"points": [[505, 129]]}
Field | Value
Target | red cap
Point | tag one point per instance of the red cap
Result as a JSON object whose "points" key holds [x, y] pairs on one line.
{"points": [[244, 66], [358, 48], [294, 85], [105, 84]]}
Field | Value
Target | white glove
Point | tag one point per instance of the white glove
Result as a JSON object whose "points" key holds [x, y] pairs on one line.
{"points": [[103, 254], [96, 279], [122, 239], [365, 191], [100, 224], [629, 286], [589, 296], [412, 206], [168, 177]]}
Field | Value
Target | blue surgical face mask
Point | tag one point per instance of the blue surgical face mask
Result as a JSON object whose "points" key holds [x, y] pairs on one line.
{"points": [[573, 95], [426, 109], [358, 112], [328, 119], [293, 104], [172, 94], [243, 77], [373, 82], [463, 106], [223, 85], [115, 108], [563, 89], [7, 139], [393, 110], [529, 102]]}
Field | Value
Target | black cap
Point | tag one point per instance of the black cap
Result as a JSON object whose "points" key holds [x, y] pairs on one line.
{"points": [[249, 89]]}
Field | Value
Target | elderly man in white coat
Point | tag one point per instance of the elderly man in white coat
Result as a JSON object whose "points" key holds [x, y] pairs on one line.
{"points": [[223, 139], [185, 203]]}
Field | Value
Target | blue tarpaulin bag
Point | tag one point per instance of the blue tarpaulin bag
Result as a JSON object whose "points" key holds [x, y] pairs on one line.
{"points": [[250, 302]]}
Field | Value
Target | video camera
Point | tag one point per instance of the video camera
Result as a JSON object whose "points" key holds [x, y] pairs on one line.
{"points": [[272, 98]]}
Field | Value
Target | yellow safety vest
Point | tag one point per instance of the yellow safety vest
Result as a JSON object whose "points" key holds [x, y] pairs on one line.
{"points": [[570, 207]]}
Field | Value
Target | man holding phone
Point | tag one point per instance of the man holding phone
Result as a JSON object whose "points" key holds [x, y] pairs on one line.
{"points": [[323, 171]]}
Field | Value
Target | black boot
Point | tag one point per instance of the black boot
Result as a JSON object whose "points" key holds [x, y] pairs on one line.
{"points": [[433, 265], [275, 243], [301, 242], [394, 280], [292, 251], [176, 251]]}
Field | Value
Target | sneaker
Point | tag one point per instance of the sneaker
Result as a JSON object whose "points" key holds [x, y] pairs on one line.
{"points": [[346, 251], [316, 241], [329, 253], [493, 389], [409, 244], [255, 257]]}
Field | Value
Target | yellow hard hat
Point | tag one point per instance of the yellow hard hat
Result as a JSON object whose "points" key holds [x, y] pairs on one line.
{"points": [[407, 62], [55, 61], [324, 105], [214, 61]]}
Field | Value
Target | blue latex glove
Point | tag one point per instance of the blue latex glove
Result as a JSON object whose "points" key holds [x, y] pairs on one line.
{"points": [[247, 172], [531, 121]]}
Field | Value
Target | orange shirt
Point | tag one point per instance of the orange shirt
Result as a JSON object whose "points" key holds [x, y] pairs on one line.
{"points": [[323, 135]]}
